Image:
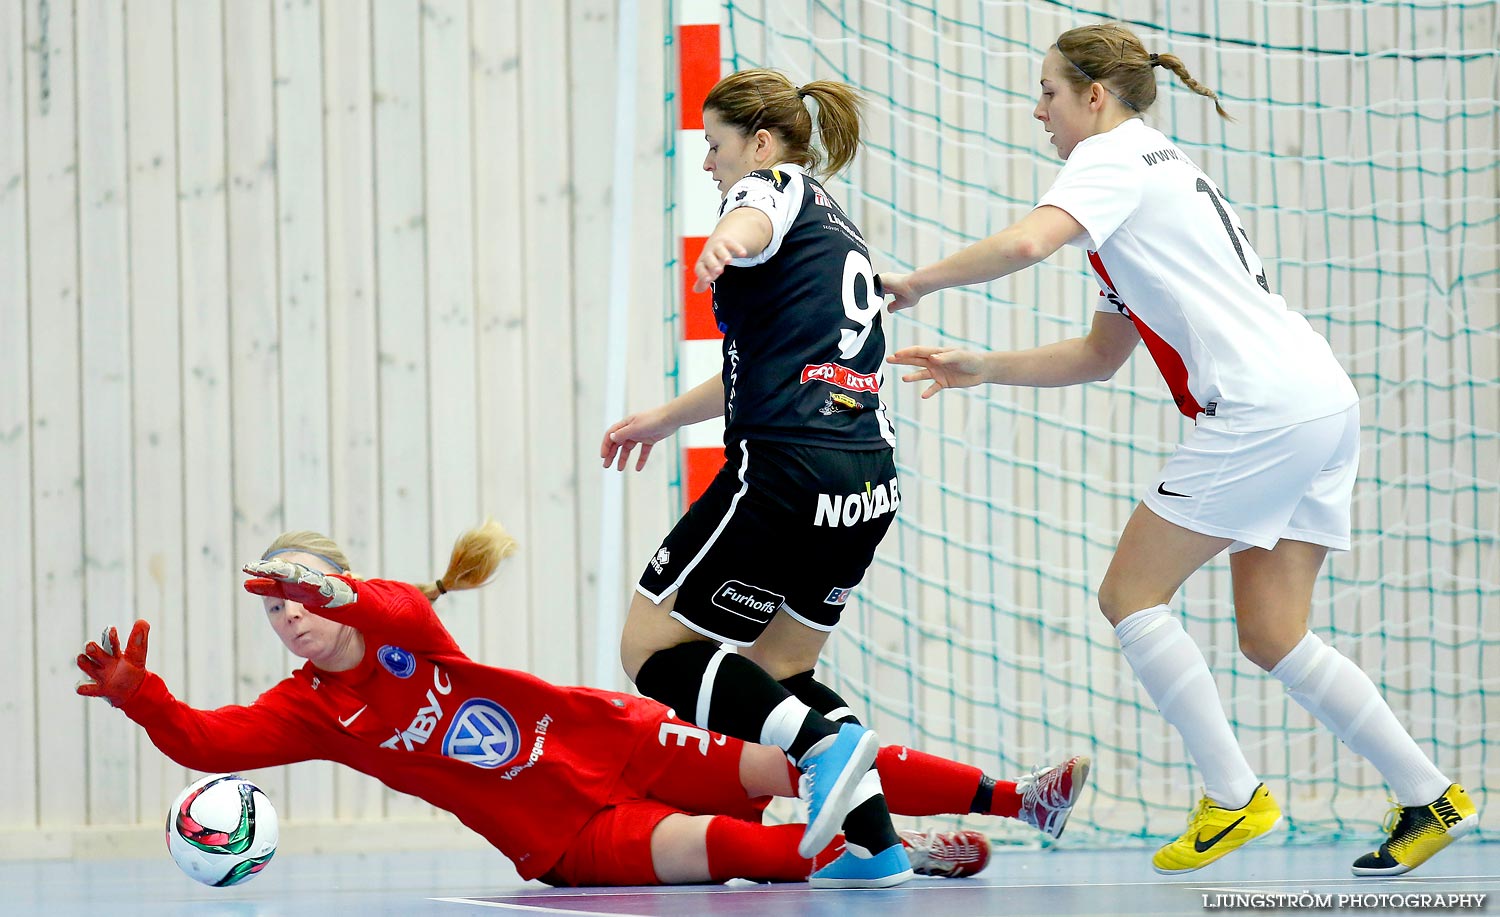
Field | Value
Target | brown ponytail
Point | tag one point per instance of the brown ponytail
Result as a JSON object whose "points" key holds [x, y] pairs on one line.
{"points": [[838, 124], [753, 100], [1111, 54], [1174, 63]]}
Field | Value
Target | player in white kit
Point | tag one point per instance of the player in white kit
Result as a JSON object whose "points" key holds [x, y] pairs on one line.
{"points": [[1267, 472]]}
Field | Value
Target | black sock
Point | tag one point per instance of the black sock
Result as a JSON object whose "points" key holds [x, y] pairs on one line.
{"points": [[820, 697], [869, 825], [984, 797], [741, 697]]}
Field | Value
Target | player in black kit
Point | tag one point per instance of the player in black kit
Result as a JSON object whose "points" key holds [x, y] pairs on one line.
{"points": [[767, 557]]}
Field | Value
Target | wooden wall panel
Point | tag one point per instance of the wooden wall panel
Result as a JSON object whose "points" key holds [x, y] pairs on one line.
{"points": [[156, 400], [105, 360], [305, 389], [212, 598], [401, 304], [591, 44], [547, 286], [353, 330], [53, 226], [18, 805], [500, 218], [258, 427], [448, 180]]}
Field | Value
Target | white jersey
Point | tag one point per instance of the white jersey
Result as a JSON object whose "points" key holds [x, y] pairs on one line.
{"points": [[1170, 254]]}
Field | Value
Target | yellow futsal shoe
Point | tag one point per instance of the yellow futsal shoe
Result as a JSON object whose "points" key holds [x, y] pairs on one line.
{"points": [[1214, 831], [1417, 832]]}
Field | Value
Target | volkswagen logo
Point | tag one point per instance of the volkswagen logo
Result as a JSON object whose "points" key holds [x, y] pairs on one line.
{"points": [[483, 734]]}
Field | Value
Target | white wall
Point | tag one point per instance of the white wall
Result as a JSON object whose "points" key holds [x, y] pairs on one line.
{"points": [[277, 265]]}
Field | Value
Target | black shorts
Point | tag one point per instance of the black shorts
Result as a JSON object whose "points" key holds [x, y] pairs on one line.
{"points": [[781, 526]]}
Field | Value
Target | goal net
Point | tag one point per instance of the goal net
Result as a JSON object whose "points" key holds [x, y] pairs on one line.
{"points": [[1363, 164]]}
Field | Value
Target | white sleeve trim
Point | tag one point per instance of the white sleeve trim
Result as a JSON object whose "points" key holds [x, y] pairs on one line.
{"points": [[781, 207]]}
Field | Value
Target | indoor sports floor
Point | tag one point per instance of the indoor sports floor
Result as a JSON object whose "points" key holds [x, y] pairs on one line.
{"points": [[1059, 882]]}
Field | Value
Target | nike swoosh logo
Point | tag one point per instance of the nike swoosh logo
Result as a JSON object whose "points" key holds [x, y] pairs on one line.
{"points": [[1199, 844], [1162, 489], [353, 716]]}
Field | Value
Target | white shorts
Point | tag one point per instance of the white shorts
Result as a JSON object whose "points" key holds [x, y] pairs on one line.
{"points": [[1257, 488]]}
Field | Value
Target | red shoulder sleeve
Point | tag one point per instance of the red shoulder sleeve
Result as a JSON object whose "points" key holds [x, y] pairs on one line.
{"points": [[264, 734], [396, 611]]}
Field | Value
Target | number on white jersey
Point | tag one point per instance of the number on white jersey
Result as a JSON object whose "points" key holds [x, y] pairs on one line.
{"points": [[1234, 237]]}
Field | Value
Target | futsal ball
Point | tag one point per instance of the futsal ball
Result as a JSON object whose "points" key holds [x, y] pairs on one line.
{"points": [[222, 830]]}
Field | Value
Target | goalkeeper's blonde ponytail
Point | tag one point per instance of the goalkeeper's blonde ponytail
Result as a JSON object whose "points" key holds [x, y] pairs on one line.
{"points": [[476, 555]]}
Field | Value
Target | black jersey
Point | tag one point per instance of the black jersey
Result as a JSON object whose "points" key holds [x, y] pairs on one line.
{"points": [[803, 345]]}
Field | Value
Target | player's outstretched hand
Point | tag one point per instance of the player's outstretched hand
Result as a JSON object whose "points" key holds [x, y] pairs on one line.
{"points": [[899, 288], [283, 579], [717, 253], [644, 429], [110, 673], [944, 367]]}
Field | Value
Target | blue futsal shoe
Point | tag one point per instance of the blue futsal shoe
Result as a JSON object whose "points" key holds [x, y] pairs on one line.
{"points": [[829, 779], [889, 867]]}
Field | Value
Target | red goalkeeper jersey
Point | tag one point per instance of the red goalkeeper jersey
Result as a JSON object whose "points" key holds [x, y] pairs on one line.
{"points": [[523, 762]]}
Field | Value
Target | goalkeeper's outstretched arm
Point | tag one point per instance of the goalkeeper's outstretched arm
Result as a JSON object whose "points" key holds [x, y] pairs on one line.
{"points": [[227, 739]]}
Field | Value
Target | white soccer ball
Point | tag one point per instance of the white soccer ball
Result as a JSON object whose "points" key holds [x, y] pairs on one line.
{"points": [[222, 830]]}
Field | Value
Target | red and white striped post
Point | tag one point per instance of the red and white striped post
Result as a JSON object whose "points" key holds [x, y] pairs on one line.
{"points": [[701, 356]]}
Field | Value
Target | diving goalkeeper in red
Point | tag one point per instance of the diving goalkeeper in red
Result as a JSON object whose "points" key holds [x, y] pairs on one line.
{"points": [[576, 786]]}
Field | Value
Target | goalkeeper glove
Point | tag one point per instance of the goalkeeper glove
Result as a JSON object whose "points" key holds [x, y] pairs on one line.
{"points": [[113, 675], [286, 580]]}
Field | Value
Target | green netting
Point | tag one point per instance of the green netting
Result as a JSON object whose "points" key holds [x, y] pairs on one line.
{"points": [[1363, 163]]}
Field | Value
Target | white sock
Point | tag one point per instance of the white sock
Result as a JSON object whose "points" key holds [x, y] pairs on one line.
{"points": [[1343, 698], [868, 788], [1173, 671], [781, 727]]}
